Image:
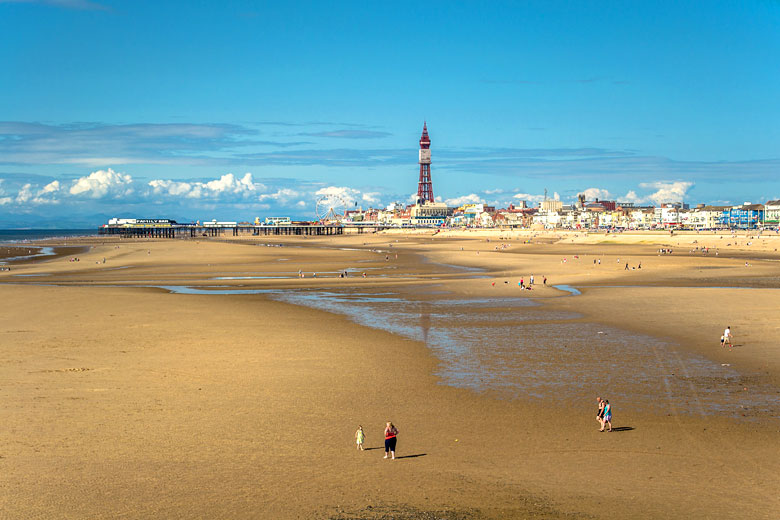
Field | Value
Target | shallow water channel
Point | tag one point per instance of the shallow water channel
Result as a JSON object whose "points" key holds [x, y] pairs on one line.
{"points": [[518, 348]]}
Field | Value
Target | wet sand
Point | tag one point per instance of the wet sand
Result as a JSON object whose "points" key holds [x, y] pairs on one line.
{"points": [[132, 401]]}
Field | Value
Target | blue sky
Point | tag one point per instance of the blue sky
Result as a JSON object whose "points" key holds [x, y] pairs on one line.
{"points": [[230, 110]]}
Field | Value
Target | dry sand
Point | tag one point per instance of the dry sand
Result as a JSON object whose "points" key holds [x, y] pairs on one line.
{"points": [[134, 402]]}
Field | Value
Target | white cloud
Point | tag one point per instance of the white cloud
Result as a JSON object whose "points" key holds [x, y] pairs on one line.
{"points": [[173, 188], [4, 200], [50, 188], [227, 184], [103, 183], [631, 196], [282, 195], [371, 197], [348, 195], [596, 193], [667, 191], [471, 198], [24, 194], [528, 197]]}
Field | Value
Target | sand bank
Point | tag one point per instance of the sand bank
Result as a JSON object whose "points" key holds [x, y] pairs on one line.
{"points": [[137, 402]]}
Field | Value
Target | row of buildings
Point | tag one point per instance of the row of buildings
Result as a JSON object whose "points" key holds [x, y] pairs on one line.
{"points": [[552, 214]]}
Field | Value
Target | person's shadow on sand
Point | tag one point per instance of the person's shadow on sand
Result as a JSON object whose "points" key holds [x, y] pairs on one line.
{"points": [[412, 456], [622, 429]]}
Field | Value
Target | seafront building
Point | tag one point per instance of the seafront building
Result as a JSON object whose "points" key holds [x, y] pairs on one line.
{"points": [[772, 213]]}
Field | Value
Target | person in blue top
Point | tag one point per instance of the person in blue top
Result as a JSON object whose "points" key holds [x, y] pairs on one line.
{"points": [[607, 420]]}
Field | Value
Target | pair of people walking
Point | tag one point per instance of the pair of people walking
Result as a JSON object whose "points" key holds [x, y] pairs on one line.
{"points": [[726, 337], [604, 414], [391, 439]]}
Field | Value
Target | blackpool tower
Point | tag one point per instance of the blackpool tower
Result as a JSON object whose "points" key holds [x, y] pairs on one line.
{"points": [[425, 186]]}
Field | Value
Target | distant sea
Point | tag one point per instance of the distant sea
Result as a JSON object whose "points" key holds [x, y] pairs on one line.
{"points": [[19, 235]]}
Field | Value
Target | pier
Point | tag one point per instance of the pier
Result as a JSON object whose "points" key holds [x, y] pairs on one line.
{"points": [[195, 231]]}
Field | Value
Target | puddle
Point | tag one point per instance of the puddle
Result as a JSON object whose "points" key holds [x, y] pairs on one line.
{"points": [[569, 289], [42, 251], [212, 289]]}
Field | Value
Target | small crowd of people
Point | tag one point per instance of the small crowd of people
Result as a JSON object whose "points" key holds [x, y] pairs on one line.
{"points": [[525, 286], [391, 439]]}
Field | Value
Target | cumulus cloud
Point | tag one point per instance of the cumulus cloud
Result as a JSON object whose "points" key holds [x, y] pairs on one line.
{"points": [[528, 197], [667, 191], [631, 196], [471, 198], [103, 183], [24, 194], [52, 187], [370, 197], [4, 199], [596, 193], [348, 195], [282, 195], [228, 185], [172, 188]]}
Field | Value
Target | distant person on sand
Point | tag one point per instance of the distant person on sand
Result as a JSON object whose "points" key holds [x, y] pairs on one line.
{"points": [[727, 336], [360, 436], [607, 420], [390, 439]]}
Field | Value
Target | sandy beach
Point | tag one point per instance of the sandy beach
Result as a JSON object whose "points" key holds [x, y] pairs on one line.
{"points": [[208, 379]]}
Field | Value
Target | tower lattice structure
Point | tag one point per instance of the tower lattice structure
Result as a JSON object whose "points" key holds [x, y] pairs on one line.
{"points": [[425, 186]]}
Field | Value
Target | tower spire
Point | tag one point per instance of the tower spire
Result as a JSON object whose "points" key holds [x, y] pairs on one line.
{"points": [[425, 185]]}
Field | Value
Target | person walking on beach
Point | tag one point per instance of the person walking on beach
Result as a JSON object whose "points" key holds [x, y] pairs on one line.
{"points": [[726, 337], [600, 411], [360, 436], [391, 433], [607, 416]]}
